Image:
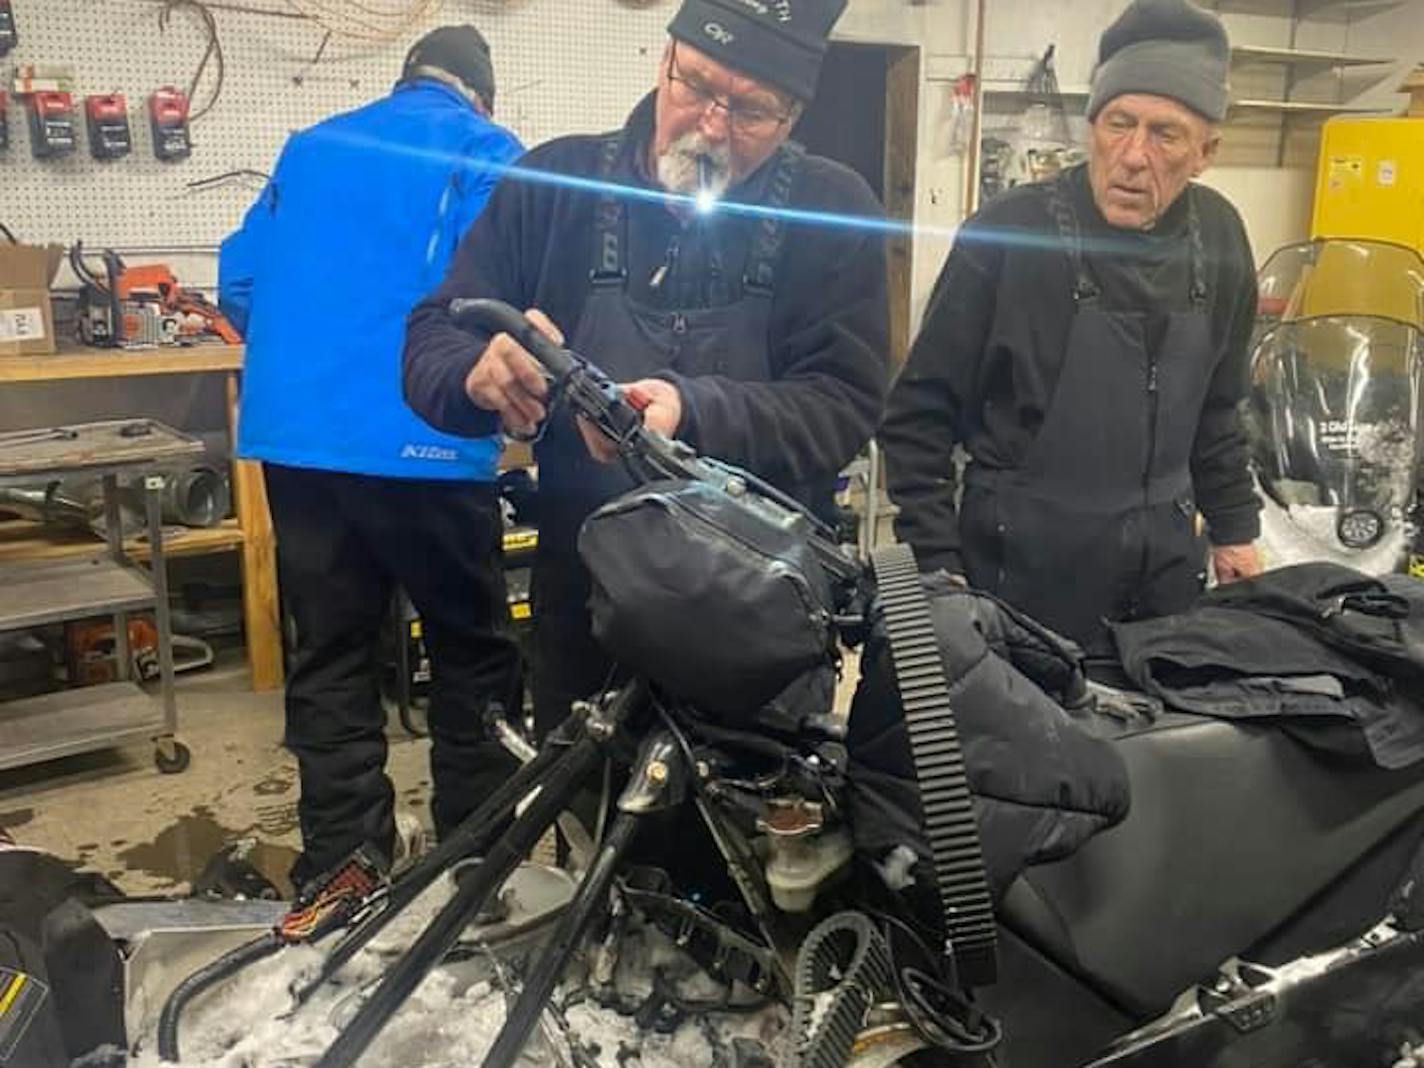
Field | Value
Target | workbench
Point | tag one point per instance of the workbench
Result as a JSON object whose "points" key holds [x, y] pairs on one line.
{"points": [[250, 534]]}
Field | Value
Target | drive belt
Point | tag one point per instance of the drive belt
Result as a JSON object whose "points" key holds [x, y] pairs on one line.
{"points": [[948, 810], [843, 969]]}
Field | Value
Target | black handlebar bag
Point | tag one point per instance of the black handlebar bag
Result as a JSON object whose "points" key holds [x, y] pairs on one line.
{"points": [[717, 599]]}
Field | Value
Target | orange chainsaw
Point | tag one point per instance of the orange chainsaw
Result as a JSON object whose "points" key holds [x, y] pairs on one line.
{"points": [[133, 307]]}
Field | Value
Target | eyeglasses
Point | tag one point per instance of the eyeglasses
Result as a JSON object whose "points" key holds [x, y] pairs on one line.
{"points": [[744, 117]]}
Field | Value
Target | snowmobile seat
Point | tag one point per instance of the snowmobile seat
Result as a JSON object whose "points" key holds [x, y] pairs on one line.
{"points": [[1233, 830]]}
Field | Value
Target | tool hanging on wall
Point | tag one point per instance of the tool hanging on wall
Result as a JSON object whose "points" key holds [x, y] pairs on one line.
{"points": [[4, 120], [8, 36], [142, 306], [168, 119], [52, 132], [107, 118]]}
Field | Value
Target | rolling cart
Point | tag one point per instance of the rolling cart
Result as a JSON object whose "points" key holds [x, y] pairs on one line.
{"points": [[111, 583]]}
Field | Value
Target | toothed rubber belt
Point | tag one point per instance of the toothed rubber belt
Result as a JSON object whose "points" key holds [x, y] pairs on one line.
{"points": [[843, 969], [939, 767]]}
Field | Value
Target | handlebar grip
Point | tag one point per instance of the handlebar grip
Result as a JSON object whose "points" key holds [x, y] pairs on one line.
{"points": [[498, 317]]}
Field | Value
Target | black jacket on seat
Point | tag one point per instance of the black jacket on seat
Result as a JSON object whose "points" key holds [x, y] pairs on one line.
{"points": [[1296, 644]]}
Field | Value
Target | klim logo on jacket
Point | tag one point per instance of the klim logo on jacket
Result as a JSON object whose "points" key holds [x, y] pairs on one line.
{"points": [[428, 452]]}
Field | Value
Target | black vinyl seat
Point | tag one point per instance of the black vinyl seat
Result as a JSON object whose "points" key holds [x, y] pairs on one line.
{"points": [[1233, 829]]}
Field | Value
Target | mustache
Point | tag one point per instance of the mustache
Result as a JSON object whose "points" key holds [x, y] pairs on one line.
{"points": [[679, 171]]}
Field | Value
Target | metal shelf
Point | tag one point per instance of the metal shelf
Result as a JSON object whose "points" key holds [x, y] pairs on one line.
{"points": [[1303, 8], [32, 595], [76, 721], [1294, 57], [1298, 107], [22, 540]]}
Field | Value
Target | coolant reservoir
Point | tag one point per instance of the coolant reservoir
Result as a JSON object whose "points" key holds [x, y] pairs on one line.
{"points": [[801, 853]]}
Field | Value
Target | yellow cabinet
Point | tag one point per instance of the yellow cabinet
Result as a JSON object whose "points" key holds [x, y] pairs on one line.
{"points": [[1371, 180]]}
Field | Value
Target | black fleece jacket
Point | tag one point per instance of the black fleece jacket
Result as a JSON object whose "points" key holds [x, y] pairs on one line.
{"points": [[983, 369], [829, 332]]}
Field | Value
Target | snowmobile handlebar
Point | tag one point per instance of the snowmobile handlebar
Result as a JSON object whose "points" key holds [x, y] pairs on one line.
{"points": [[648, 455]]}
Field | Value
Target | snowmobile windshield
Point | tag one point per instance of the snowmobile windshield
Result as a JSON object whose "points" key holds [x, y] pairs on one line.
{"points": [[1334, 409]]}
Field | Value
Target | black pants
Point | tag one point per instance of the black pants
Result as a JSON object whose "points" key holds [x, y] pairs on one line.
{"points": [[343, 543]]}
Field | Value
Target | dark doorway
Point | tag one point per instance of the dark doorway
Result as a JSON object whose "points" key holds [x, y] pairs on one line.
{"points": [[866, 115]]}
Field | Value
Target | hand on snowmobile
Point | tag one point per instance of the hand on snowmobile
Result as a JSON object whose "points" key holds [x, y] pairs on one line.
{"points": [[1231, 563], [508, 380], [660, 404]]}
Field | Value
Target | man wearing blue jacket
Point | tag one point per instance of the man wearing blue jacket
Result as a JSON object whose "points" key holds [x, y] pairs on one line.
{"points": [[358, 223]]}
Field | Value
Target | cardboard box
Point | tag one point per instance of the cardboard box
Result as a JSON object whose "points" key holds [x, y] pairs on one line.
{"points": [[26, 315]]}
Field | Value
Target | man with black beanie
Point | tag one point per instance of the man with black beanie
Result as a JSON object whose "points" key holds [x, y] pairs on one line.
{"points": [[361, 216], [753, 334], [1087, 345]]}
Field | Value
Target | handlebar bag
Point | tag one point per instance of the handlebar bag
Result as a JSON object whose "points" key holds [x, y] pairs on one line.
{"points": [[718, 599]]}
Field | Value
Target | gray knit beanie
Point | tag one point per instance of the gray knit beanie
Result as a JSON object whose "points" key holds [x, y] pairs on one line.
{"points": [[1168, 48]]}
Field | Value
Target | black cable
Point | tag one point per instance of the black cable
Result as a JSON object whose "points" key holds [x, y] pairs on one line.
{"points": [[214, 52], [9, 234], [227, 176], [944, 1017], [205, 978]]}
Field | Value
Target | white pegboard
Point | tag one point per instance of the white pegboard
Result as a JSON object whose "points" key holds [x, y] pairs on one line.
{"points": [[561, 66]]}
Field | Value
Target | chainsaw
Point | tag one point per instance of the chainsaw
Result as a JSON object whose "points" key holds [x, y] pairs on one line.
{"points": [[143, 306]]}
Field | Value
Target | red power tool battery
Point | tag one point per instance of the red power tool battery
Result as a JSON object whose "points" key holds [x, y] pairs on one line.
{"points": [[168, 118], [51, 125], [107, 117]]}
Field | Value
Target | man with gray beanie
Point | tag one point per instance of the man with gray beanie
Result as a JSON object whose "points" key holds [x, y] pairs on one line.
{"points": [[1086, 344], [362, 214], [749, 331]]}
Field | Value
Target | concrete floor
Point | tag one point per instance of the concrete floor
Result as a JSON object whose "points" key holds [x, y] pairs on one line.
{"points": [[114, 813]]}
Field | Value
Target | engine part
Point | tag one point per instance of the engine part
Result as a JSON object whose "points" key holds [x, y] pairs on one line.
{"points": [[719, 950], [197, 497], [802, 853], [949, 817], [842, 970], [107, 119], [48, 505], [205, 978]]}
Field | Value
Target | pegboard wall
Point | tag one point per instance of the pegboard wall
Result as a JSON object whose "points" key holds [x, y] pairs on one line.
{"points": [[561, 66]]}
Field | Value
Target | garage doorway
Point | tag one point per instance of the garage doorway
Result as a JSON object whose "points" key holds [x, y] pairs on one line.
{"points": [[866, 115]]}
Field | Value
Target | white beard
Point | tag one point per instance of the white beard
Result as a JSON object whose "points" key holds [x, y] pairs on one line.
{"points": [[677, 166]]}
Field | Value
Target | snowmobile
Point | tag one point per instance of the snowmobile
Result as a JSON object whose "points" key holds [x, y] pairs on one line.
{"points": [[1335, 404], [1259, 905]]}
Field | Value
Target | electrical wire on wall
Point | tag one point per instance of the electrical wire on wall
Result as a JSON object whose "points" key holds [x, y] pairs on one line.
{"points": [[365, 20], [212, 54]]}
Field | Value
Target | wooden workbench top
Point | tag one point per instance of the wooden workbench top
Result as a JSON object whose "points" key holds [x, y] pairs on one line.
{"points": [[75, 362]]}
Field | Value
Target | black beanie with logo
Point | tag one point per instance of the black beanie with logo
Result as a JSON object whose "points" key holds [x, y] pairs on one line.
{"points": [[780, 42]]}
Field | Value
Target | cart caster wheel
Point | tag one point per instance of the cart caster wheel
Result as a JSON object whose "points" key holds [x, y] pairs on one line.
{"points": [[172, 765]]}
